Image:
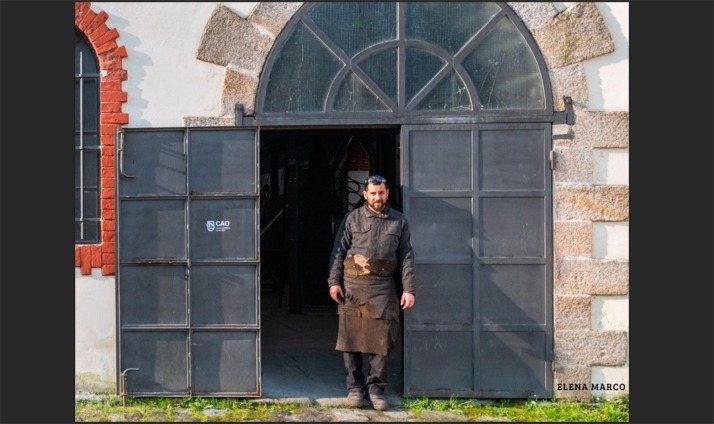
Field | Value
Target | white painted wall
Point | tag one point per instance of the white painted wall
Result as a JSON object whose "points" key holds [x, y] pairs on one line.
{"points": [[94, 332], [166, 81], [611, 313]]}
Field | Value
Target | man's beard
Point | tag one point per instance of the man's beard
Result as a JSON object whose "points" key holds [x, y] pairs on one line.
{"points": [[375, 207]]}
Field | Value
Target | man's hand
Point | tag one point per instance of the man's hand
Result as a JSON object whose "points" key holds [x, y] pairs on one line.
{"points": [[336, 293], [407, 300]]}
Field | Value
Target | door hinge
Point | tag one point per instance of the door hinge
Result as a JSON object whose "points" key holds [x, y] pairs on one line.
{"points": [[568, 116], [552, 159], [238, 110]]}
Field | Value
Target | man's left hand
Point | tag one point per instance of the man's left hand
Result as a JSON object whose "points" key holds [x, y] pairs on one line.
{"points": [[407, 300]]}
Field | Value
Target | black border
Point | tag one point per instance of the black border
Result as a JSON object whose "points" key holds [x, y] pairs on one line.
{"points": [[671, 214], [36, 212]]}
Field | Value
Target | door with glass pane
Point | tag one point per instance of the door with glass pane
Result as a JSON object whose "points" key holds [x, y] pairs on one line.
{"points": [[478, 199], [187, 262]]}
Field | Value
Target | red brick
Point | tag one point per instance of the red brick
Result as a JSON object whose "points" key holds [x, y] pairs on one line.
{"points": [[81, 7], [86, 261], [107, 193], [114, 96], [107, 130], [106, 107], [77, 255], [108, 269], [97, 26], [108, 247], [96, 257], [106, 173], [107, 36], [80, 10], [106, 204], [109, 236], [106, 86], [106, 161], [116, 75], [110, 63], [86, 21], [105, 47], [121, 52], [120, 118]]}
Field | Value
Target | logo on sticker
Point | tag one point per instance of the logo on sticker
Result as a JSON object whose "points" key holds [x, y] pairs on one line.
{"points": [[218, 225]]}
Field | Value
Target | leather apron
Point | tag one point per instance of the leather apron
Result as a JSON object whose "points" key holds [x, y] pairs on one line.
{"points": [[369, 314]]}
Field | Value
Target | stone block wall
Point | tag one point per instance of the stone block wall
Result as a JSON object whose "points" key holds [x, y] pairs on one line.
{"points": [[591, 218]]}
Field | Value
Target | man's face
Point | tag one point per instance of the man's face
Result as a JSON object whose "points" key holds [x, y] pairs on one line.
{"points": [[376, 196]]}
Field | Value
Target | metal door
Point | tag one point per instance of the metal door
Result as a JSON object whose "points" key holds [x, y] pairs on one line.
{"points": [[187, 262], [478, 198]]}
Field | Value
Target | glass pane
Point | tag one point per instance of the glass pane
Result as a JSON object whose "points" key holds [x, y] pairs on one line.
{"points": [[512, 227], [221, 229], [90, 171], [89, 139], [421, 67], [501, 66], [84, 55], [361, 24], [382, 68], [154, 294], [91, 232], [355, 96], [448, 27], [224, 295], [449, 94], [222, 161], [91, 202], [442, 227], [441, 160], [505, 72], [88, 105], [301, 75], [513, 159]]}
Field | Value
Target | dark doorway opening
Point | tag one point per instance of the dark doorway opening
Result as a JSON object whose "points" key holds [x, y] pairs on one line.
{"points": [[309, 180]]}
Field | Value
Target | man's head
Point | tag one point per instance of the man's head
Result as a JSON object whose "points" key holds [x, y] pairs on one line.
{"points": [[376, 192]]}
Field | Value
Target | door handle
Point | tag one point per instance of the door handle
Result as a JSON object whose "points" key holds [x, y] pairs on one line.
{"points": [[120, 150]]}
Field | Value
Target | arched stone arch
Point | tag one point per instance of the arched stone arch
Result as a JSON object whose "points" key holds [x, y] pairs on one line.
{"points": [[242, 46], [103, 41]]}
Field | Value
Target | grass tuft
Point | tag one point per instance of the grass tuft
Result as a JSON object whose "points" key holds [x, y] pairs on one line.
{"points": [[532, 410], [234, 410]]}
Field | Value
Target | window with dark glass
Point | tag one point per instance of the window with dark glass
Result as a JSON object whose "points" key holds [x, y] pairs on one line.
{"points": [[384, 57], [86, 143]]}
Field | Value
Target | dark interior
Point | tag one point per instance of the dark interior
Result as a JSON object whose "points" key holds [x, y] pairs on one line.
{"points": [[305, 194]]}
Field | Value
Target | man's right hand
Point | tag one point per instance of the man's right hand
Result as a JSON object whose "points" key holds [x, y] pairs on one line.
{"points": [[336, 293]]}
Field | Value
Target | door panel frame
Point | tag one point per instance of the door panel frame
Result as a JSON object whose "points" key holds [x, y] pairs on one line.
{"points": [[416, 346], [231, 340]]}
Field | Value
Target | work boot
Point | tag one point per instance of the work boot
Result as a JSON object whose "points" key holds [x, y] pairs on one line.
{"points": [[354, 399], [378, 402]]}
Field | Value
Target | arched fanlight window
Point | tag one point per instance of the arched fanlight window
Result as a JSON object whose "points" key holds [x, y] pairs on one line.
{"points": [[403, 58], [86, 143]]}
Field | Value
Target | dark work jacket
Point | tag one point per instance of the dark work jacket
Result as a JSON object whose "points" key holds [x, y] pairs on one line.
{"points": [[369, 248]]}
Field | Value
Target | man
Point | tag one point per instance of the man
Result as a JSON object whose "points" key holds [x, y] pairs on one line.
{"points": [[372, 243]]}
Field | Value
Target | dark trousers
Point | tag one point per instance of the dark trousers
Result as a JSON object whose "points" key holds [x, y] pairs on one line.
{"points": [[376, 381]]}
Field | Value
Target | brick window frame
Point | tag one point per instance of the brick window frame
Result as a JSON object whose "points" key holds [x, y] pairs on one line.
{"points": [[111, 97]]}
